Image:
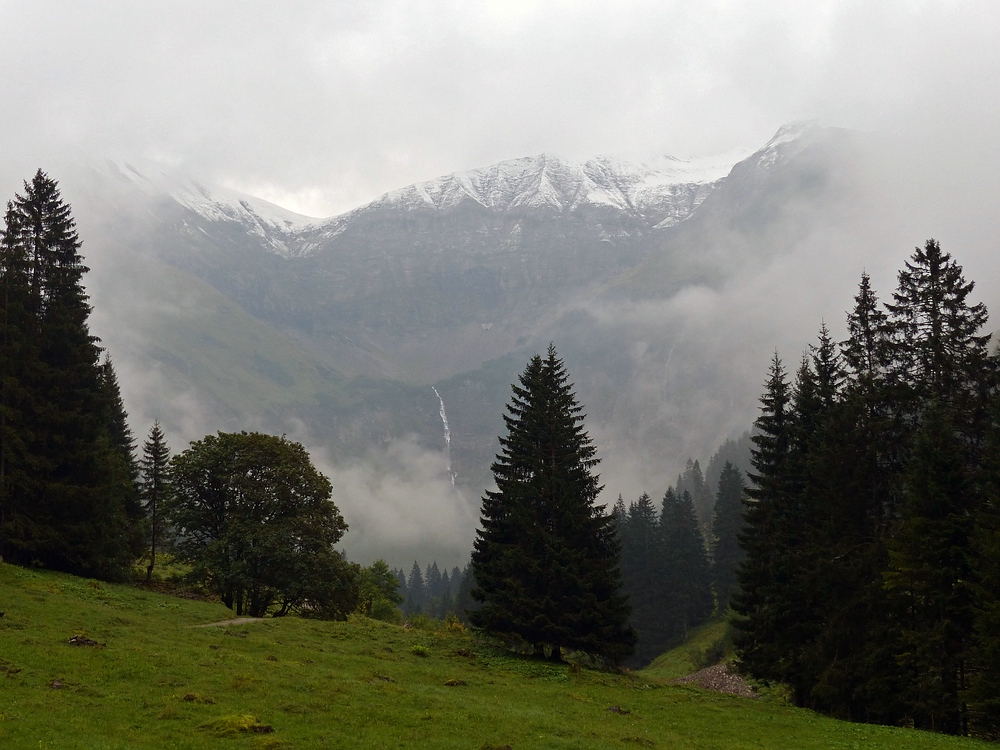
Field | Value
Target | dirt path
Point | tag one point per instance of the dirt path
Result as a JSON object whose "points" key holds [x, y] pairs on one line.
{"points": [[234, 621]]}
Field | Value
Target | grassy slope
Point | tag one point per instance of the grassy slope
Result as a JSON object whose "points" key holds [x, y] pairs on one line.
{"points": [[689, 656], [322, 685]]}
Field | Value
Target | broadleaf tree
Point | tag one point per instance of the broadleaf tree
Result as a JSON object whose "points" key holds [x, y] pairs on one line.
{"points": [[254, 518]]}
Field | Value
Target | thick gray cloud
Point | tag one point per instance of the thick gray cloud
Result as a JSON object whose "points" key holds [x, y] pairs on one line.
{"points": [[321, 106]]}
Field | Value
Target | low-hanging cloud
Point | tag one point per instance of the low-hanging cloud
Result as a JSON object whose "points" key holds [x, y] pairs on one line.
{"points": [[322, 106], [400, 505]]}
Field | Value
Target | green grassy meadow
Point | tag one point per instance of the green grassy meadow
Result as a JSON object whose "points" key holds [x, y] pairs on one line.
{"points": [[156, 680]]}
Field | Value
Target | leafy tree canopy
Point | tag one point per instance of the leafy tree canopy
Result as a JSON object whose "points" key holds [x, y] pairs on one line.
{"points": [[254, 517]]}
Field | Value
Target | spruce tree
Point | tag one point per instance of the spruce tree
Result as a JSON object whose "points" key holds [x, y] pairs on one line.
{"points": [[122, 444], [416, 592], [155, 488], [546, 558], [63, 479], [757, 604], [939, 349], [19, 365], [685, 565], [984, 674], [642, 565], [727, 524], [930, 577]]}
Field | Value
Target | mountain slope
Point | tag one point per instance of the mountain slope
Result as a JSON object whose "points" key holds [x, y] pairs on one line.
{"points": [[662, 286]]}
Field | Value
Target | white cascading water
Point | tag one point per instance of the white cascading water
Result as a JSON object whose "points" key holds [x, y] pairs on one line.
{"points": [[447, 435]]}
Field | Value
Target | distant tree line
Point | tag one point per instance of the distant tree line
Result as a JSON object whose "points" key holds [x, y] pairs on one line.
{"points": [[871, 583], [675, 579], [436, 593]]}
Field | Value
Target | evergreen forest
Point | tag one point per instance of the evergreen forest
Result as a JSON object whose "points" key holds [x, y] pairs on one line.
{"points": [[871, 537]]}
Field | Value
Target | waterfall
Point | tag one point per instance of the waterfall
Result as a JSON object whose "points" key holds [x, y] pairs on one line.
{"points": [[447, 434]]}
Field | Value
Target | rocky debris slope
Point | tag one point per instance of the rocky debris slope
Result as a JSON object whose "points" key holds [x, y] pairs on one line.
{"points": [[721, 679]]}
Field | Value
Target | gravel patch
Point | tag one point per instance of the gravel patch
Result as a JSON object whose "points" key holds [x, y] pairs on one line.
{"points": [[721, 679]]}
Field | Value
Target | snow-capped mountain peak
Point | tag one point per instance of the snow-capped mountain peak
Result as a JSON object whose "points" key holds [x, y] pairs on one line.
{"points": [[551, 182], [658, 193]]}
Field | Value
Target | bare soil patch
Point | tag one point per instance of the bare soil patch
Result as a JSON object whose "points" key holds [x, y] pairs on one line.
{"points": [[721, 679], [234, 621]]}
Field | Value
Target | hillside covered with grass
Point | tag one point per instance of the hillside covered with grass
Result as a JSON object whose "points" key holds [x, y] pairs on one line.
{"points": [[143, 674]]}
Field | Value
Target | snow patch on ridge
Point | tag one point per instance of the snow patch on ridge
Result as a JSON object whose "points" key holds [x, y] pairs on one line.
{"points": [[272, 223], [663, 186]]}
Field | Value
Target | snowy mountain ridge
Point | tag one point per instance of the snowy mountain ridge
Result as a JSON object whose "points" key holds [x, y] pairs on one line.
{"points": [[662, 192], [547, 181]]}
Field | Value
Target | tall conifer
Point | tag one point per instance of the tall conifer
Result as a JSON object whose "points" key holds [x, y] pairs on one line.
{"points": [[546, 560], [155, 488], [727, 524], [64, 495], [756, 604]]}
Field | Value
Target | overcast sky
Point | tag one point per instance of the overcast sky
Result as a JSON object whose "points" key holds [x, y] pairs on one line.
{"points": [[322, 105]]}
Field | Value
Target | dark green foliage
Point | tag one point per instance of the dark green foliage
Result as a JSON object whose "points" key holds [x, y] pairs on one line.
{"points": [[416, 593], [254, 518], [938, 349], [67, 497], [735, 452], [546, 558], [464, 603], [693, 482], [378, 592], [870, 584], [727, 524], [666, 571], [122, 443], [930, 575], [685, 564], [643, 566], [757, 605], [155, 488]]}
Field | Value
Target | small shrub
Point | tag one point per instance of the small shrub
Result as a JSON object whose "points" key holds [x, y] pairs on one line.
{"points": [[386, 611], [453, 624], [419, 650], [420, 621]]}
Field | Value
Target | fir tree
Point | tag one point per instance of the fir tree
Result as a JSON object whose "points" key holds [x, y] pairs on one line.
{"points": [[686, 563], [122, 444], [939, 350], [416, 592], [546, 560], [19, 365], [930, 576], [757, 605], [432, 581], [155, 488], [727, 525], [984, 675], [464, 603], [643, 572], [62, 477]]}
